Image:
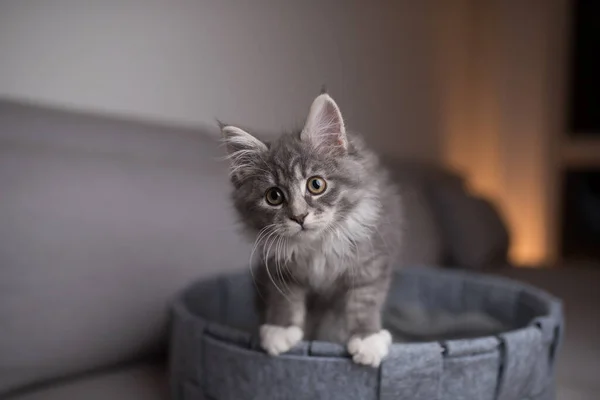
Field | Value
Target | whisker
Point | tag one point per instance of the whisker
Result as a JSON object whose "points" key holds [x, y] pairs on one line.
{"points": [[287, 259], [278, 259], [267, 249], [259, 236]]}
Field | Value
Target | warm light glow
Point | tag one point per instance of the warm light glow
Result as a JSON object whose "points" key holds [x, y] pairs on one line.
{"points": [[496, 121]]}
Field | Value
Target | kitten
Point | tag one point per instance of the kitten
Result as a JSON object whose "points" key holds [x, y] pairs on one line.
{"points": [[327, 221]]}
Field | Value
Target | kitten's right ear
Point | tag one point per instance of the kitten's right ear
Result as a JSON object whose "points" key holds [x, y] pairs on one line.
{"points": [[242, 148], [325, 126]]}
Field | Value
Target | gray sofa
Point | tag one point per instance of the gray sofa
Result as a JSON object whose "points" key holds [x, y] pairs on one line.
{"points": [[103, 221]]}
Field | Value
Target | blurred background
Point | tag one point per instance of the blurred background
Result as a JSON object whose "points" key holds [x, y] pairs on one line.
{"points": [[112, 197], [477, 85]]}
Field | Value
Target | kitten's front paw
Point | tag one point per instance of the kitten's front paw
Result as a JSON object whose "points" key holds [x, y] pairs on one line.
{"points": [[279, 339], [370, 350]]}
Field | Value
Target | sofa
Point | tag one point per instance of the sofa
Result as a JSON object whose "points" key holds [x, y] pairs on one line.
{"points": [[103, 220]]}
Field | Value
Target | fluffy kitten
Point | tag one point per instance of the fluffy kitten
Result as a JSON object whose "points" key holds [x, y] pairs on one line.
{"points": [[326, 220]]}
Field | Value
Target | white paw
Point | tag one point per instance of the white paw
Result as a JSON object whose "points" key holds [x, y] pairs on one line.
{"points": [[278, 339], [370, 350]]}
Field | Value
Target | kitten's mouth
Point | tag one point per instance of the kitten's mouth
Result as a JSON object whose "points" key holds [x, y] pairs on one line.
{"points": [[303, 231], [307, 231]]}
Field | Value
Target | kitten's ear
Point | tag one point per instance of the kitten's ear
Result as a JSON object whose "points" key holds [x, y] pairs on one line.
{"points": [[242, 148], [238, 140], [325, 125]]}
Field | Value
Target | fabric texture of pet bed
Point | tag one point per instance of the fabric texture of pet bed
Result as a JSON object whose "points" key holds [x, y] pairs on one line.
{"points": [[508, 354]]}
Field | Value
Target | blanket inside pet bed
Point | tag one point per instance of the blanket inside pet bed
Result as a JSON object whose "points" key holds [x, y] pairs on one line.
{"points": [[457, 335]]}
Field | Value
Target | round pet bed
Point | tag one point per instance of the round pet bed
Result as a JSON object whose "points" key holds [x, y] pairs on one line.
{"points": [[215, 353]]}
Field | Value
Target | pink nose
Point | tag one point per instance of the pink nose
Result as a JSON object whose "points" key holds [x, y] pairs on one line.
{"points": [[299, 218]]}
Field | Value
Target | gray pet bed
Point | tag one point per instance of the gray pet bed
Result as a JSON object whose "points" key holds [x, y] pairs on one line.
{"points": [[215, 354]]}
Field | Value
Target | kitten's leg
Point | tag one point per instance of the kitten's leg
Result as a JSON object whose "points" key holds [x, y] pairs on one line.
{"points": [[284, 319], [368, 343]]}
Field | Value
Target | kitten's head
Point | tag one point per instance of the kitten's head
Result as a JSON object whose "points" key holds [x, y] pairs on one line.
{"points": [[304, 184]]}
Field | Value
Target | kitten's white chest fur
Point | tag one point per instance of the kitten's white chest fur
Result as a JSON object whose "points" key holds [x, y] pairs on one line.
{"points": [[323, 270], [319, 268]]}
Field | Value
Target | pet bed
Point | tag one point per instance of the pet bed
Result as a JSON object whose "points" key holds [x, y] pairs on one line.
{"points": [[215, 353]]}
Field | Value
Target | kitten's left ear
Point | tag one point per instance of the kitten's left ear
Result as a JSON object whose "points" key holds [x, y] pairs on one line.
{"points": [[243, 150], [325, 125], [240, 141]]}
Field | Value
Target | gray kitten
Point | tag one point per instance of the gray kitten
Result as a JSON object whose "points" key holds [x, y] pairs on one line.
{"points": [[327, 221]]}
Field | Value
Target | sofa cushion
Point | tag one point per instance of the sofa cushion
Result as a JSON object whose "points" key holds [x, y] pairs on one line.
{"points": [[471, 232], [137, 382], [424, 175], [475, 235], [101, 223], [422, 241]]}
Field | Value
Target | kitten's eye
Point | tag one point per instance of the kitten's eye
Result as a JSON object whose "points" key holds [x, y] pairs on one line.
{"points": [[274, 196], [316, 185]]}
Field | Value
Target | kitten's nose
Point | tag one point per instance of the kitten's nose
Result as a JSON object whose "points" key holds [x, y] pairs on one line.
{"points": [[299, 218]]}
